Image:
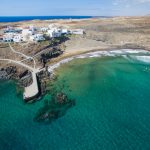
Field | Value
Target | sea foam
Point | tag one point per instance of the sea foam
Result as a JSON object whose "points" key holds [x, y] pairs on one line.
{"points": [[113, 53], [145, 59]]}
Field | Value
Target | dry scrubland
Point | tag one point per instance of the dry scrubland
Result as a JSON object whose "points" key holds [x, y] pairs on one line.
{"points": [[110, 33], [114, 32]]}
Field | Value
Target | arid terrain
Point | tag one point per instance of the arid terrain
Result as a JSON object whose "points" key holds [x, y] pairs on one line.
{"points": [[100, 34]]}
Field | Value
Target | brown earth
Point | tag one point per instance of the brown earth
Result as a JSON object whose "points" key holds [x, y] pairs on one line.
{"points": [[106, 33]]}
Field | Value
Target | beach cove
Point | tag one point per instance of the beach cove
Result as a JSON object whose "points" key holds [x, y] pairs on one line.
{"points": [[112, 109]]}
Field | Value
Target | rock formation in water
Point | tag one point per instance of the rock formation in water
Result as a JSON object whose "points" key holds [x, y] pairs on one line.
{"points": [[55, 108]]}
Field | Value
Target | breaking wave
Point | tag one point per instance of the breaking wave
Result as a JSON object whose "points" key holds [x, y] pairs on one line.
{"points": [[145, 59], [138, 55]]}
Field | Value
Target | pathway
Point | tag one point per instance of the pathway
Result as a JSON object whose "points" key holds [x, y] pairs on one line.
{"points": [[32, 90], [26, 57]]}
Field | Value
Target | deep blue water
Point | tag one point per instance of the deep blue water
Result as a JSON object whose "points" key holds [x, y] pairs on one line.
{"points": [[27, 18]]}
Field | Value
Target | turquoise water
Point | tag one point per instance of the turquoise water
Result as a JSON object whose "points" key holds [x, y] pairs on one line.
{"points": [[112, 109]]}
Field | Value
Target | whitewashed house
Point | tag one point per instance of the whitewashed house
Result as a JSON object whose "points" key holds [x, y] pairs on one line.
{"points": [[18, 38], [44, 29], [64, 31], [37, 37], [50, 33], [9, 30], [77, 31], [32, 28], [26, 33], [54, 32], [8, 37]]}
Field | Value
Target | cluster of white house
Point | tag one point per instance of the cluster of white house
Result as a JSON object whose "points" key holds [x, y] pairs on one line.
{"points": [[30, 34]]}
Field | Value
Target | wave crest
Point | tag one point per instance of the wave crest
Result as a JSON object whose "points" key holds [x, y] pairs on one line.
{"points": [[112, 53], [145, 59]]}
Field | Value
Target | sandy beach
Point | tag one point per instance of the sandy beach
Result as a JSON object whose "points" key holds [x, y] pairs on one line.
{"points": [[143, 56], [100, 34]]}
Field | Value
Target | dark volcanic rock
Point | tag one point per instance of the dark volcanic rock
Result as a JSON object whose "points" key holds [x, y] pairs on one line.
{"points": [[55, 108], [8, 73], [26, 80]]}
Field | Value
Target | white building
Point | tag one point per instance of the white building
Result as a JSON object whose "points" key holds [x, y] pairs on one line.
{"points": [[44, 29], [17, 38], [32, 28], [77, 31], [54, 32], [8, 37], [37, 37], [26, 33], [64, 31]]}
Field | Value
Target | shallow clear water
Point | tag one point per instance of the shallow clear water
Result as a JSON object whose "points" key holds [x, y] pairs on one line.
{"points": [[112, 109]]}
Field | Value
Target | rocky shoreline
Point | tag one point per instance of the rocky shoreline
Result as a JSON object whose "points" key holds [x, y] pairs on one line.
{"points": [[24, 77], [8, 73], [59, 103]]}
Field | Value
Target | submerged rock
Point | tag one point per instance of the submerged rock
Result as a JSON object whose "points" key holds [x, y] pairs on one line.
{"points": [[61, 98], [55, 108]]}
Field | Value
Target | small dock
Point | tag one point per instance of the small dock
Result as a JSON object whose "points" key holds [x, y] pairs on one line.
{"points": [[31, 91]]}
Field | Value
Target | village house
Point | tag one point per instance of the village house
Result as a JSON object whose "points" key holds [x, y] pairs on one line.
{"points": [[44, 29], [53, 33], [17, 38], [77, 31], [32, 28], [12, 30], [65, 31], [26, 33], [8, 37], [37, 37], [32, 34]]}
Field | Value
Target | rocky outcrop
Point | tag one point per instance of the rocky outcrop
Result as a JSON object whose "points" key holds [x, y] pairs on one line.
{"points": [[55, 108], [25, 78], [8, 73]]}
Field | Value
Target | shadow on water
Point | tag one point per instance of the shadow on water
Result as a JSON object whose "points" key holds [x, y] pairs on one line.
{"points": [[19, 91], [54, 108]]}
